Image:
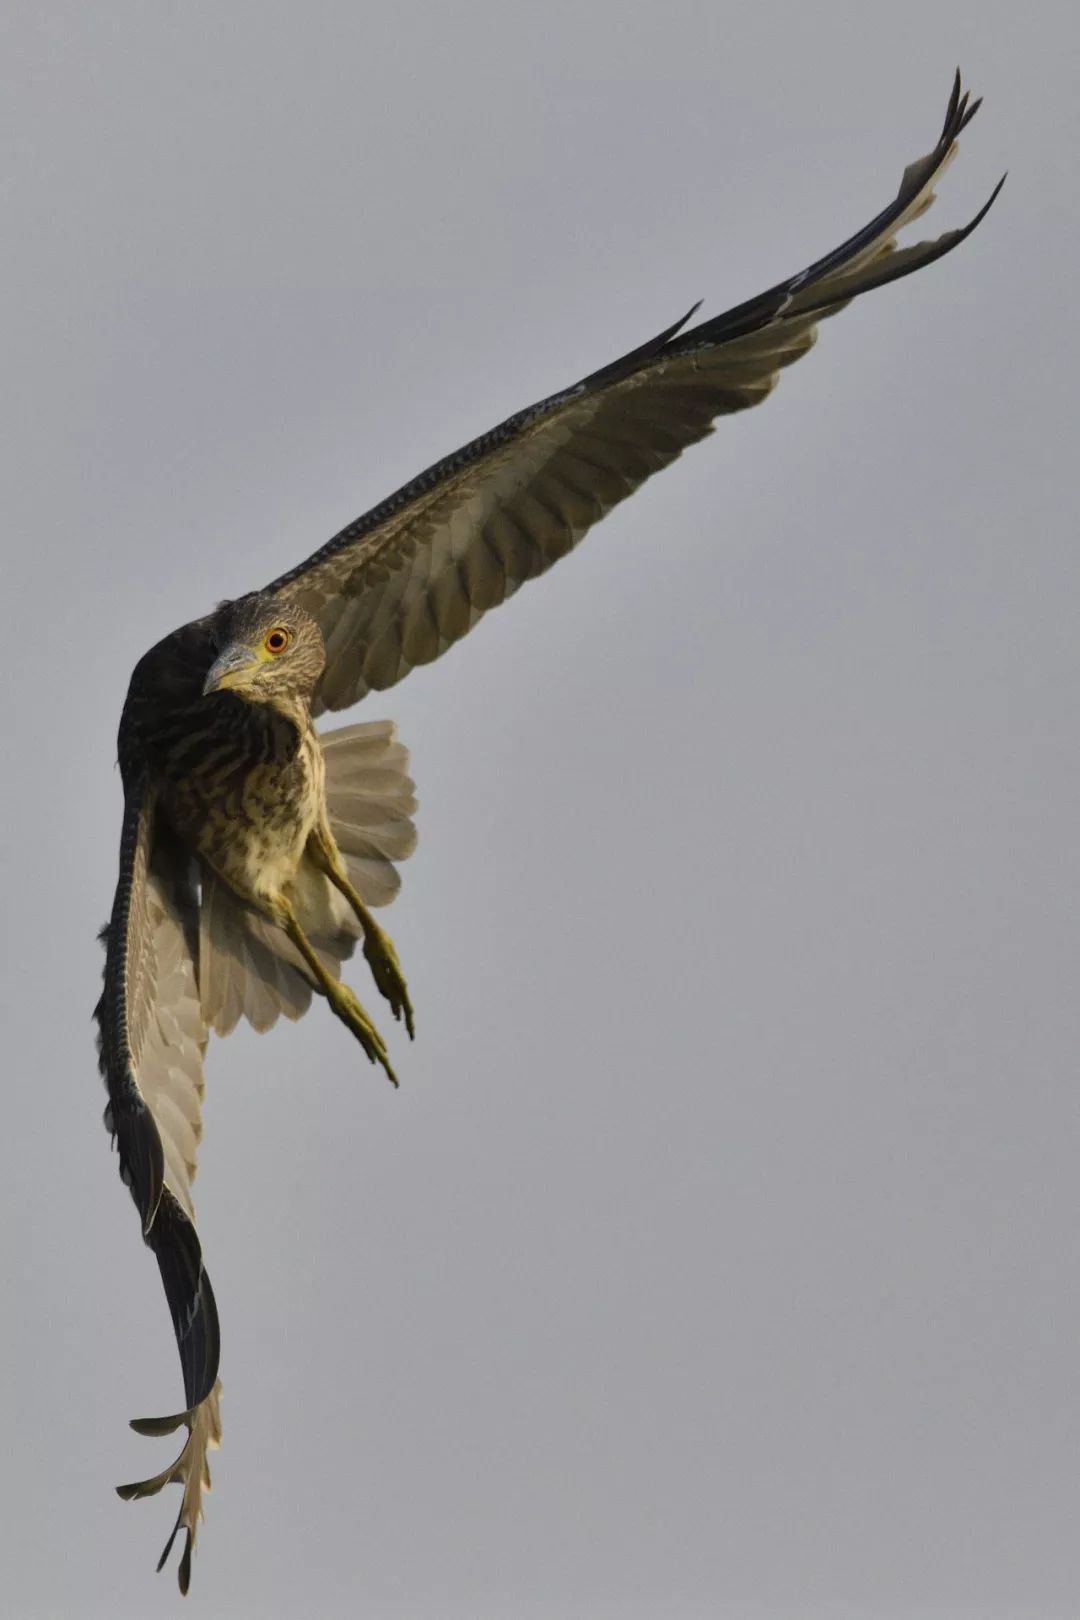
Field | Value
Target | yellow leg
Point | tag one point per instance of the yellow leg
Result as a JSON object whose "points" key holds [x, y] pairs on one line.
{"points": [[379, 950], [342, 1000]]}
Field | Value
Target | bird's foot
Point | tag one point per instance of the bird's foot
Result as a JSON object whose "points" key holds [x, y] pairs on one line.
{"points": [[382, 959], [347, 1007]]}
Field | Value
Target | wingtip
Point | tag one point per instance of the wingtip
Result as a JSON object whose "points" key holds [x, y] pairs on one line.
{"points": [[959, 112], [969, 113], [156, 1427], [183, 1574], [985, 209], [169, 1545], [953, 104]]}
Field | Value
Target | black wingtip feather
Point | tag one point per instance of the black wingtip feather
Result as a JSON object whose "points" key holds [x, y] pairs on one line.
{"points": [[183, 1574], [142, 1158], [890, 271], [954, 102], [191, 1298], [766, 306], [645, 351], [986, 207], [969, 114], [157, 1427]]}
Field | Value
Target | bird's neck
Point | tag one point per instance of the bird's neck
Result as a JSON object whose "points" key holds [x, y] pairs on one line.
{"points": [[271, 730], [288, 709]]}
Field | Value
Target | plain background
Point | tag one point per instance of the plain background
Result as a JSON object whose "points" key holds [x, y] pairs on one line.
{"points": [[718, 1256]]}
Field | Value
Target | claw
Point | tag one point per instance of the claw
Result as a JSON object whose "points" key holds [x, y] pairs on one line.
{"points": [[382, 959], [342, 1000], [347, 1007], [379, 950]]}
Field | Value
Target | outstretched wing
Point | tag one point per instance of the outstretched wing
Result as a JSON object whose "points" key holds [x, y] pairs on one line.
{"points": [[152, 1038], [401, 584]]}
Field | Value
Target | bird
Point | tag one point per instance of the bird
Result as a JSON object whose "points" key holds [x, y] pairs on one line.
{"points": [[254, 847]]}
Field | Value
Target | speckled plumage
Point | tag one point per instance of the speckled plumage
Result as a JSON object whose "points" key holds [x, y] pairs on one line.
{"points": [[241, 782], [251, 847]]}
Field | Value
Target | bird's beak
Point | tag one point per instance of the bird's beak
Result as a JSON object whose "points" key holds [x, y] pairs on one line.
{"points": [[231, 669]]}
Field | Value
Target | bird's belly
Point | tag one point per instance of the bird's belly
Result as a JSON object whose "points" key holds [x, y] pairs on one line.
{"points": [[267, 839], [250, 822]]}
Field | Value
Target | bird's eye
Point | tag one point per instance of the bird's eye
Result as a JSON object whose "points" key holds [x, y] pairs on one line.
{"points": [[277, 639]]}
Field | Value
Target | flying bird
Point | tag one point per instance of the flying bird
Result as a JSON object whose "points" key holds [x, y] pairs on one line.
{"points": [[254, 848]]}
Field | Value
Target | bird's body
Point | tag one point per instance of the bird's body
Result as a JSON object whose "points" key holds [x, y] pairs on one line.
{"points": [[255, 803], [242, 783], [253, 846]]}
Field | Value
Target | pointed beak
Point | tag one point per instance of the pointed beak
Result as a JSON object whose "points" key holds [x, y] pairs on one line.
{"points": [[231, 669]]}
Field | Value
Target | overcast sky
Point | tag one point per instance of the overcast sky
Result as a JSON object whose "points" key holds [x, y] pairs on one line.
{"points": [[718, 1256]]}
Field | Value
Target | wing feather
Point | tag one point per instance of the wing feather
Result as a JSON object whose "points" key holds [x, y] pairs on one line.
{"points": [[371, 803], [151, 1040], [401, 584]]}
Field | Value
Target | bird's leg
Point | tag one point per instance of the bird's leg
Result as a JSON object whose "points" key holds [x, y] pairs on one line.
{"points": [[380, 955], [379, 950], [342, 1000]]}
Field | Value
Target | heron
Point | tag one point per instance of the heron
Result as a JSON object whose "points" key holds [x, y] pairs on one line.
{"points": [[255, 848]]}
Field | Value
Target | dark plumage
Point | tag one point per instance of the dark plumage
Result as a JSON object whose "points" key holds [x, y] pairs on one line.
{"points": [[252, 847]]}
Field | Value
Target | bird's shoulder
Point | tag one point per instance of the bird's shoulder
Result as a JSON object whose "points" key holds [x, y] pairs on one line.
{"points": [[167, 679]]}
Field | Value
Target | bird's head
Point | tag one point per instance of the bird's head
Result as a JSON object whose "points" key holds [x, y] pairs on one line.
{"points": [[268, 651]]}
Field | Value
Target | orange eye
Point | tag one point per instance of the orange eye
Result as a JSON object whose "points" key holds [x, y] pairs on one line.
{"points": [[277, 639]]}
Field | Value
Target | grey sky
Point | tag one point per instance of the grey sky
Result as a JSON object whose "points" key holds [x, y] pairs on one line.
{"points": [[718, 1256]]}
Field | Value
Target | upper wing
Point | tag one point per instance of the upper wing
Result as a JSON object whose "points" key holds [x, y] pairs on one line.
{"points": [[399, 585], [152, 1038]]}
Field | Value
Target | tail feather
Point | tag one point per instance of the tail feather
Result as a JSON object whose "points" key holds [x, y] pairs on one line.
{"points": [[371, 803]]}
